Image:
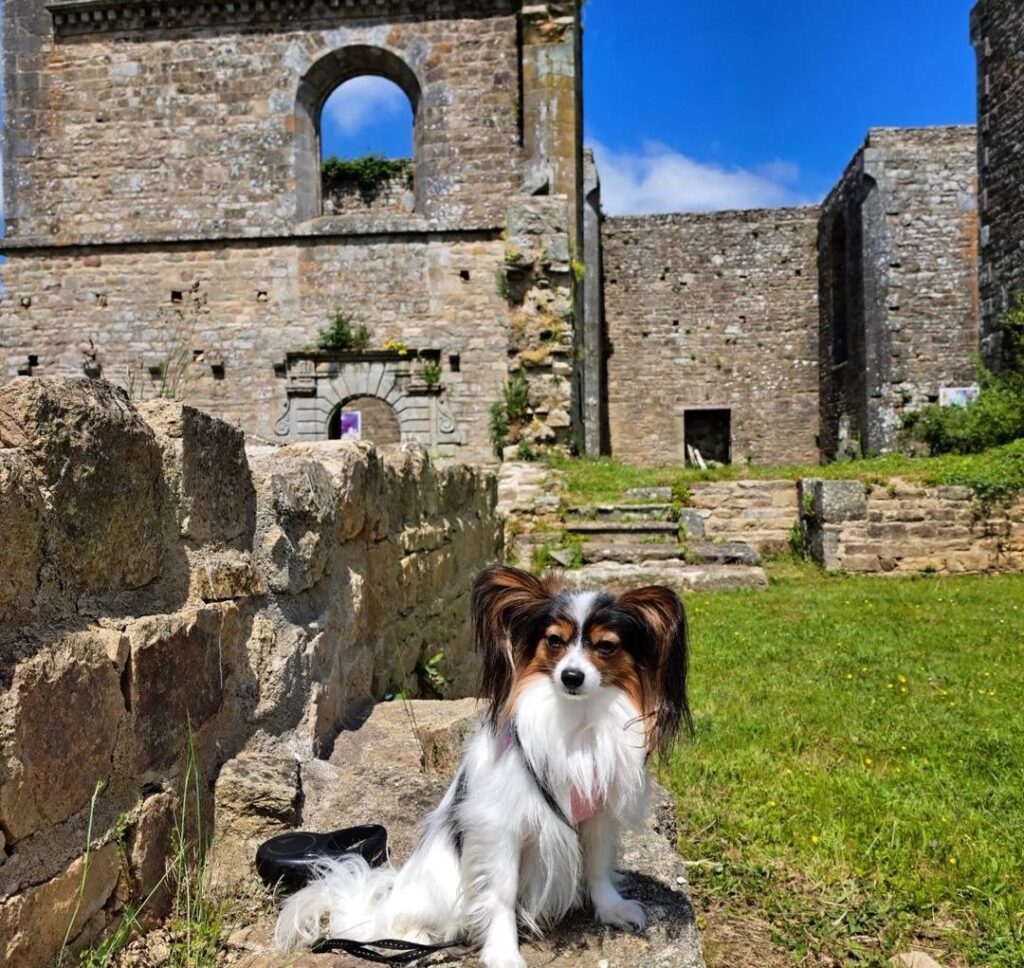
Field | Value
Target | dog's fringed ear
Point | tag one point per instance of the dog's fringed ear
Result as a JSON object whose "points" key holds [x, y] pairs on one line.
{"points": [[661, 616], [505, 602]]}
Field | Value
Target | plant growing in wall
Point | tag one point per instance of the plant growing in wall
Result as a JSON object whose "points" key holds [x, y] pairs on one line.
{"points": [[510, 413], [369, 173], [430, 373], [342, 335]]}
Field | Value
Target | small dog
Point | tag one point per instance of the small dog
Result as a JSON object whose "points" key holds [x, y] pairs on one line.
{"points": [[583, 687]]}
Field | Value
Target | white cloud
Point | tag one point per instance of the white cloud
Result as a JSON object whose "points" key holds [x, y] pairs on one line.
{"points": [[362, 101], [658, 179]]}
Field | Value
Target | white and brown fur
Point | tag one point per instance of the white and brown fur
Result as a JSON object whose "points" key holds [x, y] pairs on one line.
{"points": [[583, 687]]}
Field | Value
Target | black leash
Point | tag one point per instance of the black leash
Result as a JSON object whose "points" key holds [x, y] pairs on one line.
{"points": [[545, 790], [406, 952], [288, 862]]}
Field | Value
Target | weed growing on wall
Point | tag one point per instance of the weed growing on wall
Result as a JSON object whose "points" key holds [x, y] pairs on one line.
{"points": [[369, 174], [509, 414], [342, 335]]}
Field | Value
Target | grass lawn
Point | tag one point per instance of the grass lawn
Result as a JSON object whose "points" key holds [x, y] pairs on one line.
{"points": [[857, 780], [993, 473]]}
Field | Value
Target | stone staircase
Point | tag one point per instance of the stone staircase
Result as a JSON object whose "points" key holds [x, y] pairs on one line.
{"points": [[621, 545], [645, 538]]}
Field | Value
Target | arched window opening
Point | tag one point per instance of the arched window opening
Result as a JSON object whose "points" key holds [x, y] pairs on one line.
{"points": [[840, 292], [356, 135], [366, 148], [365, 418]]}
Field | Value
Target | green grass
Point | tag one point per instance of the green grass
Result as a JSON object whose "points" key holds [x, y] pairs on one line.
{"points": [[858, 768], [994, 474]]}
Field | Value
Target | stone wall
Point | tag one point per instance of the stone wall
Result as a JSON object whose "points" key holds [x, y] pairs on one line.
{"points": [[156, 125], [244, 306], [898, 253], [162, 196], [997, 32], [713, 312], [759, 513], [902, 528], [155, 574]]}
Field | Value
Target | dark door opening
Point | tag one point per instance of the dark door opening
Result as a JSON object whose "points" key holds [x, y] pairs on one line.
{"points": [[709, 432]]}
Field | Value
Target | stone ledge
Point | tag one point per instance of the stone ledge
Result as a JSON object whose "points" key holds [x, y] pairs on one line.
{"points": [[374, 775]]}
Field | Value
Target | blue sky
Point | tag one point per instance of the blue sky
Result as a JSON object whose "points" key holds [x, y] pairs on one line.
{"points": [[704, 104], [716, 103]]}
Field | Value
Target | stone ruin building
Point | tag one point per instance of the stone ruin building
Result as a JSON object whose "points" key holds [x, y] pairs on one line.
{"points": [[997, 32], [167, 229]]}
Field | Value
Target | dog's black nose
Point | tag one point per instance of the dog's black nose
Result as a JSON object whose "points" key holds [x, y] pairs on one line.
{"points": [[572, 678]]}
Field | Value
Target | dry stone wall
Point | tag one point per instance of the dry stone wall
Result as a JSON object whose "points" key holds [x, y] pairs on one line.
{"points": [[997, 31], [898, 257], [759, 513], [902, 528], [156, 575], [713, 312]]}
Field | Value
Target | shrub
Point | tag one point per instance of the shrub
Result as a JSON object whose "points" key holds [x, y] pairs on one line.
{"points": [[430, 373], [498, 427], [517, 397], [369, 173], [341, 335], [995, 417]]}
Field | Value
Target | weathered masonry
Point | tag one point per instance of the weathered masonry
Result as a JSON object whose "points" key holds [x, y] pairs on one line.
{"points": [[997, 31], [712, 330], [167, 227], [897, 258]]}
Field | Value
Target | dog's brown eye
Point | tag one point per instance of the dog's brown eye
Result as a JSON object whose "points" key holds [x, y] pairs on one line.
{"points": [[556, 642], [605, 647]]}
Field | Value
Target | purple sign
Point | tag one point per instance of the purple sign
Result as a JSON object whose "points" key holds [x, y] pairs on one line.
{"points": [[352, 425]]}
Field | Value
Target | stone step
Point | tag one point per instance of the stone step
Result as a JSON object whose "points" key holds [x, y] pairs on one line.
{"points": [[699, 552], [393, 770], [616, 578], [624, 512], [617, 532]]}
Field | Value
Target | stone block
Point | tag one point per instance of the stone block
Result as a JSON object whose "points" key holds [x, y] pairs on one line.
{"points": [[179, 666], [107, 518], [296, 522], [692, 523], [255, 790], [147, 852], [33, 924], [21, 550], [832, 502], [216, 500], [58, 728], [226, 576]]}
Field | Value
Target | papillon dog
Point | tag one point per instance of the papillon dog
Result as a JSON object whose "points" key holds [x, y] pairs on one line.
{"points": [[583, 688]]}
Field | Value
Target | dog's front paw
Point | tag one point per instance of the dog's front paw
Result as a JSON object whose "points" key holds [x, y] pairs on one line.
{"points": [[503, 958], [623, 914]]}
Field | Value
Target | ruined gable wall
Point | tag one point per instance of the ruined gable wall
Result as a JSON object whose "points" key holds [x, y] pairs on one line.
{"points": [[908, 199], [141, 133], [997, 31], [157, 578], [713, 310], [257, 303]]}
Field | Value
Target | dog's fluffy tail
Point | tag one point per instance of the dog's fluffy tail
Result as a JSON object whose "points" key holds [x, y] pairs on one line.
{"points": [[348, 899]]}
